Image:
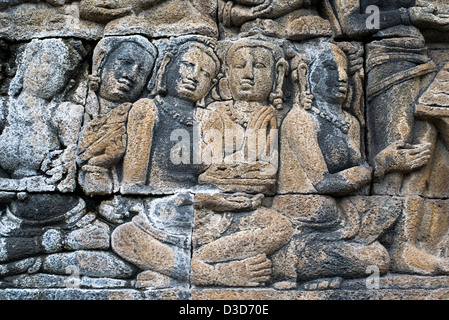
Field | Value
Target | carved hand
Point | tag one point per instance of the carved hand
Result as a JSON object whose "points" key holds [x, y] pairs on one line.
{"points": [[402, 157], [112, 153], [53, 167], [225, 203], [242, 14], [423, 17]]}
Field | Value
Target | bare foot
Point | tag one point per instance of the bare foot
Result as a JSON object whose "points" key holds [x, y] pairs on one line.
{"points": [[285, 285], [251, 272], [323, 284], [152, 279], [424, 263]]}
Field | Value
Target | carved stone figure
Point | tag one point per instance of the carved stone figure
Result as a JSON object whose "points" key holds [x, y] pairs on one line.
{"points": [[400, 147], [294, 20], [316, 166], [121, 71], [159, 157], [311, 165], [184, 79], [210, 149], [39, 140], [239, 257], [38, 155], [255, 72]]}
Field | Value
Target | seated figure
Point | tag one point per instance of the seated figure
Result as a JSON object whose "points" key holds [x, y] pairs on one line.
{"points": [[240, 133], [158, 240], [38, 141], [239, 255], [321, 156], [406, 144], [38, 151]]}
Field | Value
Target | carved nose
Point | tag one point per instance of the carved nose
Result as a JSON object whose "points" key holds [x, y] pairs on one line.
{"points": [[248, 72], [131, 72]]}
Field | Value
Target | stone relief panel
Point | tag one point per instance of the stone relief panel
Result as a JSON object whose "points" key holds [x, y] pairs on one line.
{"points": [[93, 19], [154, 18], [187, 146]]}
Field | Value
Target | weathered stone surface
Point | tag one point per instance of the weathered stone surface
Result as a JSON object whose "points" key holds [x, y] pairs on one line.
{"points": [[348, 295], [231, 246], [36, 224], [88, 238], [296, 20], [332, 237], [158, 240], [89, 263], [153, 18], [60, 281], [40, 136], [186, 149], [25, 20], [92, 294]]}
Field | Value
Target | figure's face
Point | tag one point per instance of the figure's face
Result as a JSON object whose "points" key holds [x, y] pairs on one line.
{"points": [[251, 73], [330, 77], [125, 73], [190, 75], [45, 76]]}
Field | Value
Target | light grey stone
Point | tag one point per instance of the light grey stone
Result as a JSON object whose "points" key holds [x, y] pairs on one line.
{"points": [[88, 238], [89, 263]]}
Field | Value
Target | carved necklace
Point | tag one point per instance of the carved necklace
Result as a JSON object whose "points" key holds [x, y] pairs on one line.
{"points": [[184, 120], [241, 119], [342, 125]]}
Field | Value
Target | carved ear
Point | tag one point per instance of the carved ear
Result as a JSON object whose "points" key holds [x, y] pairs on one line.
{"points": [[224, 90], [216, 88], [160, 87], [303, 70], [277, 93], [92, 106], [300, 70]]}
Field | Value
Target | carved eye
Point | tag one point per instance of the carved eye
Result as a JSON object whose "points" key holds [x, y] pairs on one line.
{"points": [[206, 73], [188, 64], [259, 65], [240, 65], [125, 61], [330, 66]]}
